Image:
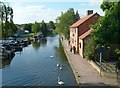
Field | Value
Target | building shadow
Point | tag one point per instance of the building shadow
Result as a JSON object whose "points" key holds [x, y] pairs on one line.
{"points": [[97, 85]]}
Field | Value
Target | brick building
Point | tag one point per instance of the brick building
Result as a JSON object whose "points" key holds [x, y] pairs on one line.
{"points": [[82, 28]]}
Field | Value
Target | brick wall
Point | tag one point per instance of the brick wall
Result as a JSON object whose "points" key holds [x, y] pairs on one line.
{"points": [[85, 25]]}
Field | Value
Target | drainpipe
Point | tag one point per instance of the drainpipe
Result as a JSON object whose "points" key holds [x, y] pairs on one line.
{"points": [[77, 40]]}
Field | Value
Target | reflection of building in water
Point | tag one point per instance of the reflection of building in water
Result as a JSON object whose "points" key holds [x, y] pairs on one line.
{"points": [[5, 62]]}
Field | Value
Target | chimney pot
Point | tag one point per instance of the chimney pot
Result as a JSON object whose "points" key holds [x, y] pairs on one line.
{"points": [[89, 12]]}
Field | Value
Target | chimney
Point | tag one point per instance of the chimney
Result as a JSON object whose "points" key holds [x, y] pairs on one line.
{"points": [[89, 12]]}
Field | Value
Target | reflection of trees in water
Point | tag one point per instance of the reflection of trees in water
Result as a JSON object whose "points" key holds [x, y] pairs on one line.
{"points": [[60, 52], [5, 62], [41, 43], [36, 45]]}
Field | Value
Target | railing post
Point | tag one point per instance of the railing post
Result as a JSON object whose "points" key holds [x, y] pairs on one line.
{"points": [[100, 62]]}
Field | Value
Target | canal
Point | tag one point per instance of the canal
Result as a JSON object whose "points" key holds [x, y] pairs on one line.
{"points": [[35, 66]]}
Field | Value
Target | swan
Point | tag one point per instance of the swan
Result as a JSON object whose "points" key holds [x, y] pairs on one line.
{"points": [[51, 56], [58, 65], [60, 68], [60, 82]]}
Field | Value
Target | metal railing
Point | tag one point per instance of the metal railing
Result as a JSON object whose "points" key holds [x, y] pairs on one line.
{"points": [[104, 64]]}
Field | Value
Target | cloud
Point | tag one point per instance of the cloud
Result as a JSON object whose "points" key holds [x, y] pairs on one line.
{"points": [[59, 0], [30, 14]]}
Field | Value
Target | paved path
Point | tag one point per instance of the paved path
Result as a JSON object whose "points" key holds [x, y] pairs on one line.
{"points": [[85, 74]]}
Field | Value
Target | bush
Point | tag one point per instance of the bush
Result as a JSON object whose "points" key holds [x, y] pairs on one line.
{"points": [[89, 49], [118, 64]]}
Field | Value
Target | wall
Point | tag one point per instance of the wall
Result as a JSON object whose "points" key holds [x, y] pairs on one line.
{"points": [[73, 36], [85, 25], [80, 47]]}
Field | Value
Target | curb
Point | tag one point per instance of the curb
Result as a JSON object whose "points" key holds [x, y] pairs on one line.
{"points": [[77, 76]]}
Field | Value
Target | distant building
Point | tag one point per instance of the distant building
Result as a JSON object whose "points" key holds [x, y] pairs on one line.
{"points": [[20, 32], [81, 29]]}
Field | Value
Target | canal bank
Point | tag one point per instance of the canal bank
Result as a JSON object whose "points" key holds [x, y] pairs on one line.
{"points": [[77, 76], [85, 74]]}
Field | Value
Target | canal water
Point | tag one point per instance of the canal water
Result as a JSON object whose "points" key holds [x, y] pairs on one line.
{"points": [[34, 66]]}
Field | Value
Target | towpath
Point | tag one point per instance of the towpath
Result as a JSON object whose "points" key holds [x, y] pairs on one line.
{"points": [[85, 74]]}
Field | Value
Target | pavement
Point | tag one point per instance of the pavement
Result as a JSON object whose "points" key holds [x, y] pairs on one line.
{"points": [[86, 76]]}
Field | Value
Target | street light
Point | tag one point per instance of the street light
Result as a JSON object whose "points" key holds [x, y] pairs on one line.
{"points": [[101, 51]]}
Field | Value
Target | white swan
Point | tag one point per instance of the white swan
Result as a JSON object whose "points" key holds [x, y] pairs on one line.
{"points": [[51, 56], [60, 68], [58, 65], [60, 82]]}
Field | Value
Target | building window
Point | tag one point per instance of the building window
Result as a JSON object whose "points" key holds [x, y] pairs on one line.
{"points": [[80, 44], [72, 40]]}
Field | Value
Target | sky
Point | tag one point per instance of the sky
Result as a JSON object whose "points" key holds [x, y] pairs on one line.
{"points": [[30, 11]]}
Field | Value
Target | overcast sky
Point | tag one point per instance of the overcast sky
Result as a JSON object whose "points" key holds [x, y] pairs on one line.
{"points": [[29, 11]]}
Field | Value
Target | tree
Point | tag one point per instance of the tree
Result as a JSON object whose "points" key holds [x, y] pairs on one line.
{"points": [[6, 14], [77, 17], [65, 21], [35, 27], [28, 27], [51, 25], [107, 29], [44, 28]]}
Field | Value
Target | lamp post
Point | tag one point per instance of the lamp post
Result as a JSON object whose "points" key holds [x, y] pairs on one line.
{"points": [[101, 51]]}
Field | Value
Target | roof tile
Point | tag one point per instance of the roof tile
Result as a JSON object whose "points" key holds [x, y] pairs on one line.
{"points": [[80, 21]]}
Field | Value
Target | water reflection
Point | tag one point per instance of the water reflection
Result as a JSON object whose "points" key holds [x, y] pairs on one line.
{"points": [[60, 52], [5, 62], [37, 44]]}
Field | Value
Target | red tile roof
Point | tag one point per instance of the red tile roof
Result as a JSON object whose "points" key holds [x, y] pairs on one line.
{"points": [[86, 34], [80, 21]]}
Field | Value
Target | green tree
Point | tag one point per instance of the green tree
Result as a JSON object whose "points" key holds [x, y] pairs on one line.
{"points": [[77, 17], [44, 28], [51, 25], [28, 27], [107, 31], [6, 14], [35, 27], [13, 28], [65, 21]]}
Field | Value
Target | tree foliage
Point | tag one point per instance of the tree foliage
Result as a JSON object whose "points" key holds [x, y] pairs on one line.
{"points": [[35, 27], [106, 30], [51, 25], [44, 28], [40, 27], [64, 21], [8, 26], [28, 27]]}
